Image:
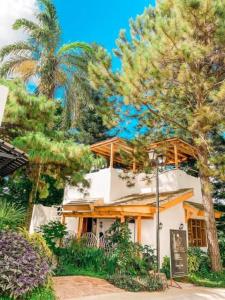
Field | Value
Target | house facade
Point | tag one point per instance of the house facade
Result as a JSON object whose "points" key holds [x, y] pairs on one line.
{"points": [[131, 195]]}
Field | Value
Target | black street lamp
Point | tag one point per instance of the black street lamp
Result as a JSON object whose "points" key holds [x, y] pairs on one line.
{"points": [[157, 159]]}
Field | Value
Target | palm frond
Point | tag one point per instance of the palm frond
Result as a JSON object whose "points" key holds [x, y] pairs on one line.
{"points": [[22, 66], [26, 25], [74, 46], [19, 48]]}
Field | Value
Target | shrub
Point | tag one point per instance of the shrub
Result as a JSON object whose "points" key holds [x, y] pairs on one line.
{"points": [[53, 232], [135, 284], [11, 215], [82, 257], [222, 246], [39, 244], [127, 256], [22, 268], [166, 266], [198, 261]]}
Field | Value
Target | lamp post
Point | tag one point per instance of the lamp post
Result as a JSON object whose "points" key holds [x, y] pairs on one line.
{"points": [[157, 160]]}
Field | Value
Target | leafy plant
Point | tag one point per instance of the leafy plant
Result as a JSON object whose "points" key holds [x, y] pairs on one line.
{"points": [[166, 266], [11, 215], [222, 246], [198, 261], [39, 244], [53, 232], [79, 256], [126, 254], [132, 284], [22, 268]]}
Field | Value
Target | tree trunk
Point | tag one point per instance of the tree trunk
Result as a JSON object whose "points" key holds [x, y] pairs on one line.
{"points": [[213, 246], [32, 196]]}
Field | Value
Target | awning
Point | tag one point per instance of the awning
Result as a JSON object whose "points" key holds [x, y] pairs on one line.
{"points": [[193, 210], [11, 158], [142, 205]]}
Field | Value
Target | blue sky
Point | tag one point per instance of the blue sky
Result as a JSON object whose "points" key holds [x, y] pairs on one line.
{"points": [[100, 21], [97, 20]]}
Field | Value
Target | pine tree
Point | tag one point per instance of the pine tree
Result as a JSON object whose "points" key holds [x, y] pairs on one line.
{"points": [[31, 124], [173, 73]]}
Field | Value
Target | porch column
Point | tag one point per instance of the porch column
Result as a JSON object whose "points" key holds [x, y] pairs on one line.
{"points": [[176, 157], [111, 155], [63, 219], [80, 226], [139, 229], [122, 219]]}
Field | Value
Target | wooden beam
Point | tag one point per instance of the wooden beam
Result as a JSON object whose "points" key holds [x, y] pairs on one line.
{"points": [[139, 230], [80, 226], [176, 156], [111, 155], [106, 215], [78, 207], [178, 199]]}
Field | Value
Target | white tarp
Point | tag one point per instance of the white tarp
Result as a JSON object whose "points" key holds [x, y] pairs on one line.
{"points": [[3, 97]]}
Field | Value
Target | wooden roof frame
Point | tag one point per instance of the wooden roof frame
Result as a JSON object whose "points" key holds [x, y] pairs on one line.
{"points": [[176, 150], [11, 158]]}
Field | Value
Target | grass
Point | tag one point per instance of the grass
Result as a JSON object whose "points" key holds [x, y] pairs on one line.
{"points": [[37, 294], [211, 279], [70, 270]]}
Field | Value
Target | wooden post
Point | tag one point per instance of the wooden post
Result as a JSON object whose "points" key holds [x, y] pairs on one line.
{"points": [[80, 226], [111, 155], [122, 219], [176, 157], [63, 219], [139, 230]]}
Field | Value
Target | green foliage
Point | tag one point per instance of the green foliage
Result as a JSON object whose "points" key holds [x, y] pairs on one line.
{"points": [[53, 232], [209, 279], [11, 215], [129, 283], [16, 188], [198, 261], [221, 235], [81, 257], [130, 258], [43, 293], [166, 266]]}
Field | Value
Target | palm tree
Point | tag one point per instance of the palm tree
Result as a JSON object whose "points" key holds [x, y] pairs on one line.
{"points": [[41, 56]]}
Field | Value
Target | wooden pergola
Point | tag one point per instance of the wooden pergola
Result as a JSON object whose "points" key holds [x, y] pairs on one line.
{"points": [[175, 150]]}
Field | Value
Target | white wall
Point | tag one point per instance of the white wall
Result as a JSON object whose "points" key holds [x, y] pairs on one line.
{"points": [[106, 184], [42, 215], [99, 187]]}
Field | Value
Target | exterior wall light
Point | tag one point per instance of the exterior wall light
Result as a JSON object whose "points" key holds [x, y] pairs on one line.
{"points": [[160, 225], [181, 227]]}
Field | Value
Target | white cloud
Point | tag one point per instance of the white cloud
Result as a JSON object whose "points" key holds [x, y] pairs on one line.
{"points": [[10, 10]]}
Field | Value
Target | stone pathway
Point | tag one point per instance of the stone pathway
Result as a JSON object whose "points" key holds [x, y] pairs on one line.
{"points": [[72, 287], [88, 288]]}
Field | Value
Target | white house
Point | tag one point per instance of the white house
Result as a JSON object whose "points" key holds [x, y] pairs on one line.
{"points": [[109, 197]]}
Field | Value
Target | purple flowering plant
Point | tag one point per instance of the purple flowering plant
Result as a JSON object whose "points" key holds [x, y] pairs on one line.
{"points": [[21, 268]]}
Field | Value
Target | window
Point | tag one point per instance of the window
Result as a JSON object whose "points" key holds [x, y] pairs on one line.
{"points": [[196, 233]]}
